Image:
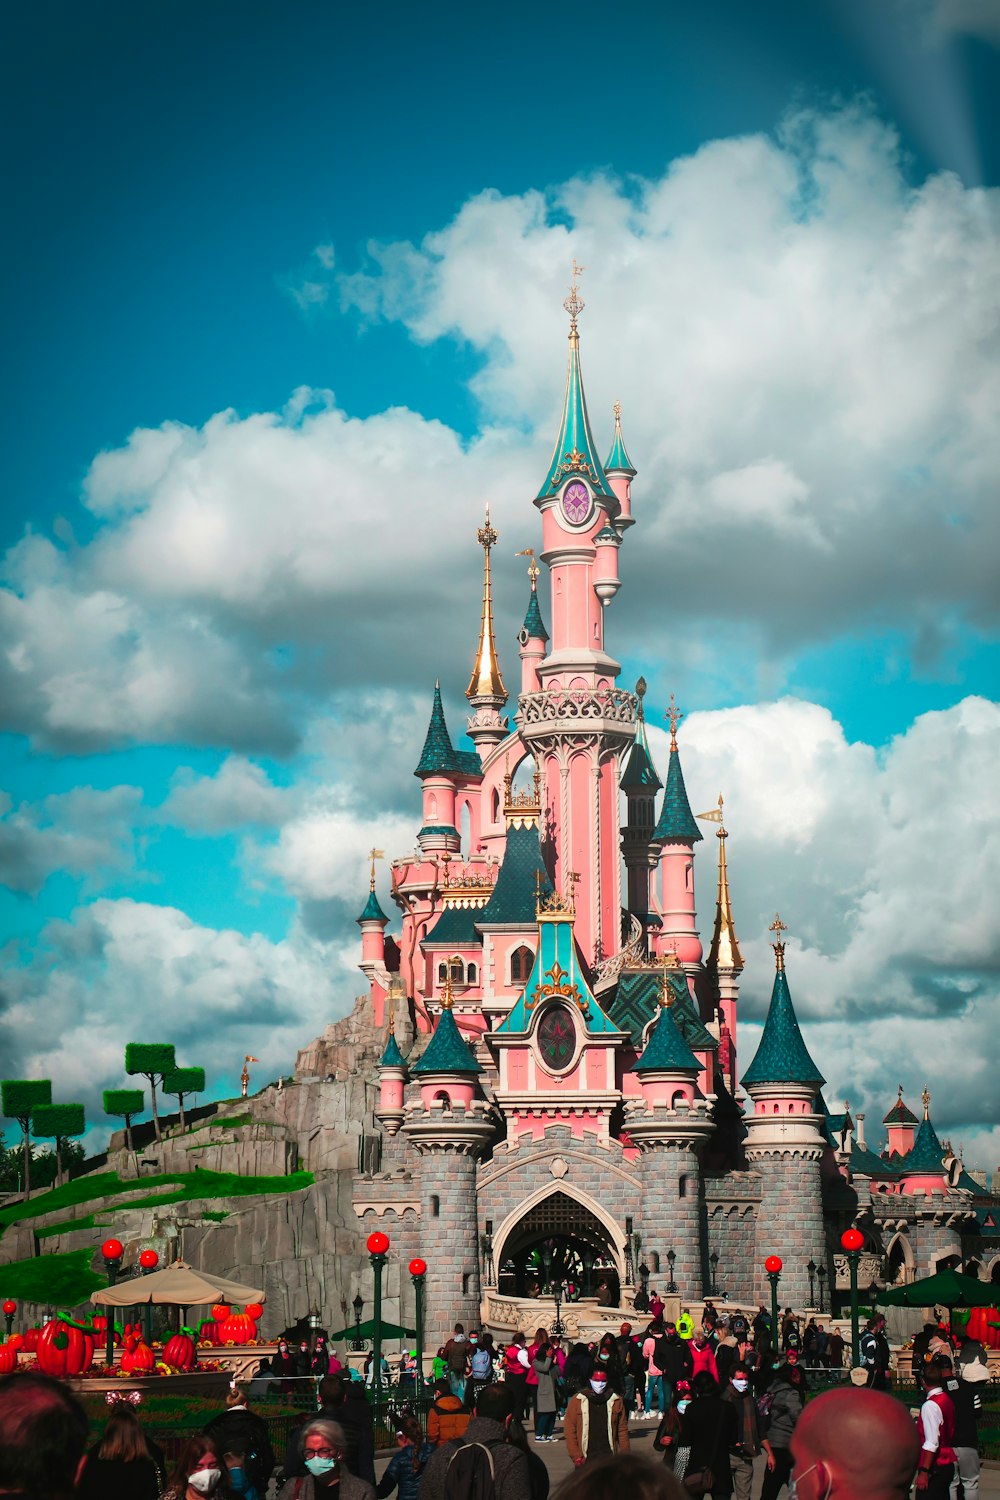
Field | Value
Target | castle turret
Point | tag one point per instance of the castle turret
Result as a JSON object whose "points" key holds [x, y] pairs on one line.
{"points": [[533, 634], [392, 1081], [669, 1126], [676, 833], [725, 961], [785, 1141], [922, 1169], [640, 783], [486, 692], [620, 473], [437, 768], [450, 1125], [901, 1124]]}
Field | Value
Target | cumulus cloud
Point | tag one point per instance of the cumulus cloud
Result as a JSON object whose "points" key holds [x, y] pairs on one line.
{"points": [[83, 832], [239, 794]]}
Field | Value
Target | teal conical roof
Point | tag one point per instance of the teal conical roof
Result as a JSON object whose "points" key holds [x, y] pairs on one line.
{"points": [[639, 774], [926, 1155], [676, 821], [534, 626], [392, 1057], [439, 756], [782, 1056], [447, 1051], [455, 927], [667, 1051], [575, 453], [515, 895], [618, 461], [372, 912]]}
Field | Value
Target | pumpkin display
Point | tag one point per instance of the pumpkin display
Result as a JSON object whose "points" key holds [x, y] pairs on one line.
{"points": [[64, 1349], [221, 1311], [982, 1325], [179, 1352], [254, 1310], [208, 1332], [8, 1358], [16, 1341], [239, 1328], [137, 1356], [31, 1336], [100, 1326]]}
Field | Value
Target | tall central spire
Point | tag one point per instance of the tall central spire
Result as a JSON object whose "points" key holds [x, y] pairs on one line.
{"points": [[725, 950], [575, 452], [486, 691]]}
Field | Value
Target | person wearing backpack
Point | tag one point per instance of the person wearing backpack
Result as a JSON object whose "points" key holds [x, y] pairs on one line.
{"points": [[749, 1441], [481, 1364], [484, 1464], [653, 1349], [456, 1354], [239, 1430], [596, 1424], [448, 1417], [780, 1406]]}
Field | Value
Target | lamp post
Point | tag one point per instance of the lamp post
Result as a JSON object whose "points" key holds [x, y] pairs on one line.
{"points": [[851, 1241], [557, 1293], [671, 1257], [773, 1268], [713, 1261], [112, 1251], [418, 1270], [644, 1283], [9, 1309], [821, 1273], [148, 1261], [811, 1269], [378, 1248], [359, 1306]]}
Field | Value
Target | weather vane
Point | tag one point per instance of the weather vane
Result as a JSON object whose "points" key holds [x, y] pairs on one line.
{"points": [[673, 717], [533, 569], [245, 1075], [486, 535], [778, 927], [574, 303], [373, 855]]}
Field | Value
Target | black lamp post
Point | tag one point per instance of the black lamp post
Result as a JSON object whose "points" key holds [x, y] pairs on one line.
{"points": [[773, 1268], [851, 1242], [713, 1261], [557, 1293], [418, 1270], [112, 1251], [821, 1273], [359, 1306], [811, 1268], [671, 1257], [9, 1309], [378, 1249]]}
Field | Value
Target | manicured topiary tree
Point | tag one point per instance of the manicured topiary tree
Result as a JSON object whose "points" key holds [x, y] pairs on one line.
{"points": [[184, 1081], [58, 1122], [19, 1096], [124, 1103], [152, 1060]]}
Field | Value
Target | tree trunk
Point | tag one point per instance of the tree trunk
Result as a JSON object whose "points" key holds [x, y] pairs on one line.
{"points": [[152, 1095], [58, 1160], [26, 1126], [128, 1132], [180, 1100]]}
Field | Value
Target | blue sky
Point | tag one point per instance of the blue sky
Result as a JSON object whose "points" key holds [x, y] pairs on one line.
{"points": [[354, 241]]}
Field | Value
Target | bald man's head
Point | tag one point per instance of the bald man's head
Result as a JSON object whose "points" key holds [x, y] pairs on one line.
{"points": [[853, 1444]]}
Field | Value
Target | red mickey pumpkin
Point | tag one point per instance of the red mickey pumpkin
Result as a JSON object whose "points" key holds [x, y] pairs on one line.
{"points": [[239, 1328], [31, 1336], [137, 1356], [254, 1310], [64, 1349]]}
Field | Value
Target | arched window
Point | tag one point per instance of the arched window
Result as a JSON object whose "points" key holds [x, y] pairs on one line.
{"points": [[465, 828], [471, 974], [435, 1206], [682, 1188], [444, 1097], [495, 806], [521, 961]]}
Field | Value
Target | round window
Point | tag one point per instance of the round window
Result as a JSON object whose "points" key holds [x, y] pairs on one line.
{"points": [[557, 1038]]}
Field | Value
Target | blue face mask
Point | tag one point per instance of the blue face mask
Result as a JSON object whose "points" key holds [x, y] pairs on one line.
{"points": [[320, 1466], [238, 1480]]}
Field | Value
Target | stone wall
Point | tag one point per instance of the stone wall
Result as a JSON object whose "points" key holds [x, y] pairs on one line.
{"points": [[731, 1206], [670, 1218], [789, 1224]]}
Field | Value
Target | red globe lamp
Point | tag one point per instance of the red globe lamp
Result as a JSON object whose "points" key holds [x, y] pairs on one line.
{"points": [[418, 1267], [9, 1308], [773, 1265], [852, 1240], [149, 1260], [378, 1243], [112, 1250]]}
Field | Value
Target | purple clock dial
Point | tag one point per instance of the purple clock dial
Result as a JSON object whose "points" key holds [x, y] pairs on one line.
{"points": [[576, 502]]}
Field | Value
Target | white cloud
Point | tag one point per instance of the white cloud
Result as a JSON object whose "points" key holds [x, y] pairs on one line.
{"points": [[83, 832], [240, 793], [322, 853]]}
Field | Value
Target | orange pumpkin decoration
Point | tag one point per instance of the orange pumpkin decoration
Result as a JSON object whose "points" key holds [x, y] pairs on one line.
{"points": [[208, 1331], [221, 1311], [254, 1310], [180, 1352], [137, 1356], [239, 1328], [8, 1358]]}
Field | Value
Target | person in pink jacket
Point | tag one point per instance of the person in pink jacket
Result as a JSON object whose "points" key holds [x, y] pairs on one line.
{"points": [[701, 1354]]}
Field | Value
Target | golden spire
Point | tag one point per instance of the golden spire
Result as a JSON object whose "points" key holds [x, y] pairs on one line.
{"points": [[574, 303], [778, 927], [925, 1099], [674, 717], [448, 994], [665, 995], [725, 950], [533, 569], [486, 681], [373, 855]]}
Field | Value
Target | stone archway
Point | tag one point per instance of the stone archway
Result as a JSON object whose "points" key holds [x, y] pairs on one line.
{"points": [[557, 1239]]}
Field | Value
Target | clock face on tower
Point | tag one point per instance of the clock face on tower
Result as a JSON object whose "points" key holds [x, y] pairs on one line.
{"points": [[556, 1038], [576, 502]]}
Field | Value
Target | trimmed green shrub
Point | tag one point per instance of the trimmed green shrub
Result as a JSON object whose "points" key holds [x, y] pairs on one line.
{"points": [[58, 1122], [184, 1081], [150, 1060], [18, 1097], [124, 1103], [59, 1280]]}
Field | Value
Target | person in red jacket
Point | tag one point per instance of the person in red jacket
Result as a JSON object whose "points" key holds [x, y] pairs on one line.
{"points": [[937, 1436], [702, 1356]]}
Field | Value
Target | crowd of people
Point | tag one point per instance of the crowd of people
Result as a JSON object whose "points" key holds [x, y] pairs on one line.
{"points": [[723, 1394]]}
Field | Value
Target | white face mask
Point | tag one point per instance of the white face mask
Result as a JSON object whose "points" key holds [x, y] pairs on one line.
{"points": [[740, 1384], [682, 1406], [598, 1386], [204, 1480]]}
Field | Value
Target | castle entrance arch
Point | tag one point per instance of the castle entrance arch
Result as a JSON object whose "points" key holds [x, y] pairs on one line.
{"points": [[559, 1240]]}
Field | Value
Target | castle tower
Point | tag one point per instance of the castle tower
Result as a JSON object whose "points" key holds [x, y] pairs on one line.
{"points": [[785, 1142], [373, 922], [450, 1127], [676, 833], [640, 784], [725, 961], [392, 1082], [437, 768], [618, 468], [901, 1124], [669, 1125], [532, 635], [578, 722], [486, 692]]}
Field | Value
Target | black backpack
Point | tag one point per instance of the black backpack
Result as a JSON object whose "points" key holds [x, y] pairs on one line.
{"points": [[661, 1351], [470, 1474]]}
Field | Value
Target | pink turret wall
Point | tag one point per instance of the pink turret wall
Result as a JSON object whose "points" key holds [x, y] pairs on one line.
{"points": [[901, 1138], [439, 801], [577, 617], [679, 933], [372, 942], [391, 1092], [621, 487], [532, 654]]}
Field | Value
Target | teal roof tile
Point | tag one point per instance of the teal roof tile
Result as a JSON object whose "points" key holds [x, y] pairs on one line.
{"points": [[534, 626], [899, 1114], [575, 452], [676, 821], [456, 926], [666, 1050], [782, 1056], [392, 1057], [639, 774], [692, 1027], [557, 951], [372, 912], [438, 828], [468, 763], [447, 1051], [618, 461], [514, 898], [636, 1001], [926, 1155], [439, 756]]}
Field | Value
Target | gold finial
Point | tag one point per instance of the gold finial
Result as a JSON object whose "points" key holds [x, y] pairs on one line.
{"points": [[373, 855], [392, 1011], [618, 413], [446, 861], [673, 717], [925, 1099], [574, 303], [533, 569], [665, 995], [778, 927], [245, 1075], [640, 693], [448, 993], [486, 681]]}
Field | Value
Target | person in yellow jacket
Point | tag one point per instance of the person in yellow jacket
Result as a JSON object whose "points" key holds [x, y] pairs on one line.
{"points": [[685, 1327], [596, 1423]]}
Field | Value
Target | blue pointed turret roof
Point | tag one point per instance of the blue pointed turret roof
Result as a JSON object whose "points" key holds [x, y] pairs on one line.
{"points": [[782, 1055], [447, 1051], [926, 1155], [392, 1057], [515, 895], [676, 820], [667, 1051], [373, 912], [439, 756], [575, 452], [534, 625], [557, 975], [639, 774], [618, 461]]}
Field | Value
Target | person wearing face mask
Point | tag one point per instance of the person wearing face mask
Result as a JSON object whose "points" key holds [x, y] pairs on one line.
{"points": [[787, 1397], [596, 1423], [749, 1442], [200, 1471], [853, 1443], [283, 1364], [709, 1428], [321, 1445]]}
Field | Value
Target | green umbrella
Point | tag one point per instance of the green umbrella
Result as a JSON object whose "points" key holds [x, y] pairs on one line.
{"points": [[945, 1289], [366, 1330]]}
